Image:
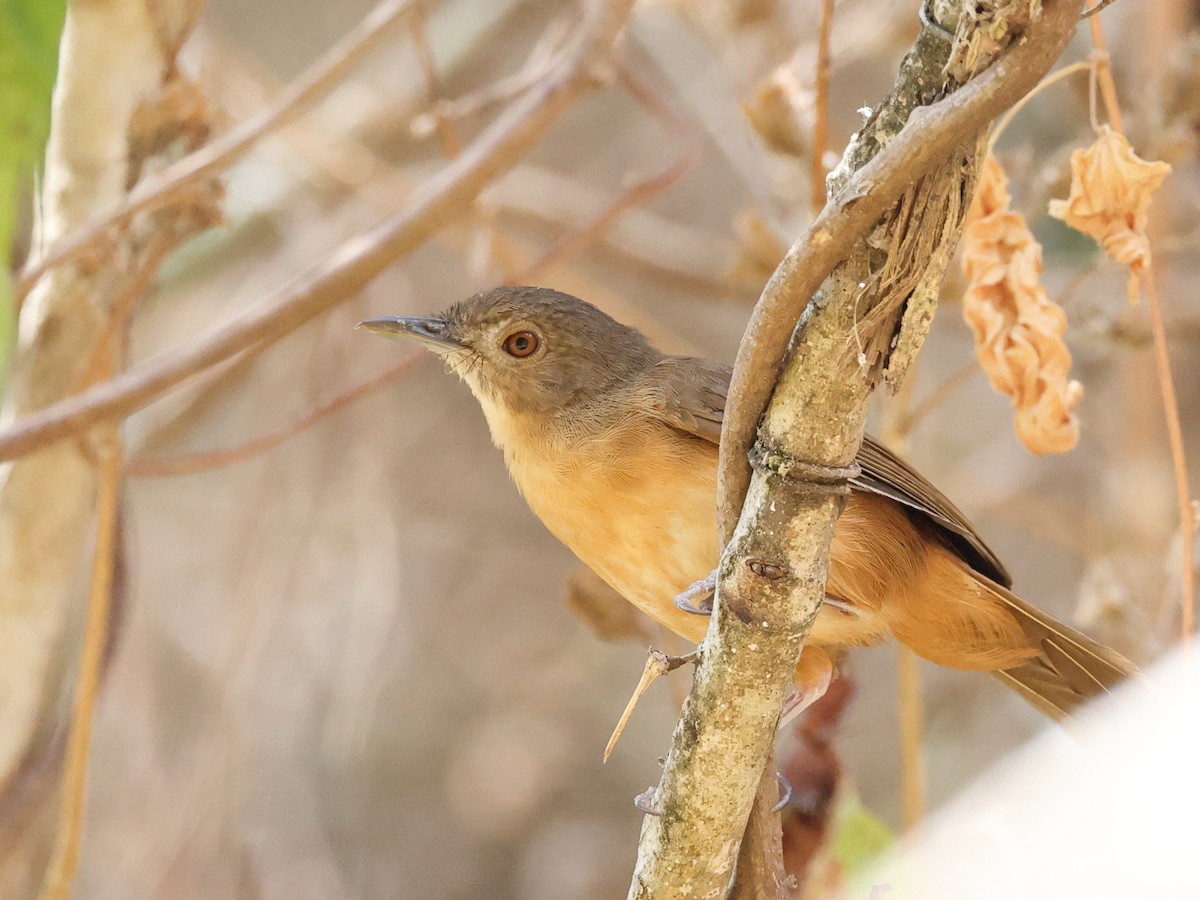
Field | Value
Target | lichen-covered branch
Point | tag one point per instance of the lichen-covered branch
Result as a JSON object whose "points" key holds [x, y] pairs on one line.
{"points": [[885, 235]]}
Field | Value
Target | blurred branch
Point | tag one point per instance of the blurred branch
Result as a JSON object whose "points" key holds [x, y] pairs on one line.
{"points": [[61, 875], [114, 115], [359, 261], [701, 258], [610, 616], [446, 130], [773, 568], [910, 418], [820, 139], [192, 463], [495, 93], [640, 192], [108, 448], [1187, 509], [221, 153], [1162, 363], [910, 696]]}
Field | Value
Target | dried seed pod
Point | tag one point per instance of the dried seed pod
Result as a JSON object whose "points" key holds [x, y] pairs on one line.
{"points": [[1018, 328]]}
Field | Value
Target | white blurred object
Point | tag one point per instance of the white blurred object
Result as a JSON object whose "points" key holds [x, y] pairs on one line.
{"points": [[1106, 808]]}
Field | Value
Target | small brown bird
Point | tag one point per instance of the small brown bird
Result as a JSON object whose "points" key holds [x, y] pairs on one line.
{"points": [[614, 447]]}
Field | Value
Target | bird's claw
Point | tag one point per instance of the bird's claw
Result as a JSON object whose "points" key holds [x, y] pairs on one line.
{"points": [[697, 598], [785, 790], [646, 801]]}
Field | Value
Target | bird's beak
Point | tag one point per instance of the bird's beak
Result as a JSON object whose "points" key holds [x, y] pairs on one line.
{"points": [[431, 331]]}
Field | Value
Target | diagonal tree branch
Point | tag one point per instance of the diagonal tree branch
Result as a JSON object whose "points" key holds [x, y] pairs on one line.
{"points": [[210, 160], [360, 260], [773, 570]]}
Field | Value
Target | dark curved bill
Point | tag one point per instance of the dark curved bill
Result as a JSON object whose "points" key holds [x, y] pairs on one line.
{"points": [[426, 329]]}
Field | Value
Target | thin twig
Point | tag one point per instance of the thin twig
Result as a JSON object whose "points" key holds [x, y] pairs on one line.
{"points": [[639, 193], [820, 135], [359, 261], [1162, 360], [61, 874], [657, 664], [1187, 512], [1102, 63], [193, 463], [107, 451], [910, 695], [1052, 78], [156, 192], [1102, 5]]}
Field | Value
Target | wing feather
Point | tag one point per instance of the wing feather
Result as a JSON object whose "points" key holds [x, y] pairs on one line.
{"points": [[689, 395]]}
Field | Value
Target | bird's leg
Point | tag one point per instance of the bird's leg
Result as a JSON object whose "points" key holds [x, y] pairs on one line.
{"points": [[697, 599], [813, 674]]}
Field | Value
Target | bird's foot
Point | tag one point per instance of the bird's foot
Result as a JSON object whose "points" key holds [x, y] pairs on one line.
{"points": [[785, 792], [647, 801], [813, 674], [697, 599]]}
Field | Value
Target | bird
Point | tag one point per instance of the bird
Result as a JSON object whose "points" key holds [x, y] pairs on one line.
{"points": [[614, 446]]}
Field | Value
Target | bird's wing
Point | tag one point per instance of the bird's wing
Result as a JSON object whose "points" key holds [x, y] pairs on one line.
{"points": [[689, 395], [883, 472]]}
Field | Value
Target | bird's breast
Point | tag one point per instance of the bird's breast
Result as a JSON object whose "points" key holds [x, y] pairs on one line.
{"points": [[637, 505]]}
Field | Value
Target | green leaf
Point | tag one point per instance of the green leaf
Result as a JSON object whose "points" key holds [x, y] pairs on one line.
{"points": [[29, 35], [859, 837]]}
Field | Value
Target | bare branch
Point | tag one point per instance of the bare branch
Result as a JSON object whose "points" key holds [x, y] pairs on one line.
{"points": [[360, 260], [156, 192], [112, 118], [192, 463]]}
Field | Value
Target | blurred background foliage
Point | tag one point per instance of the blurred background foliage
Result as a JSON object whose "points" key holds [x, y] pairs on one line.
{"points": [[29, 32], [344, 667]]}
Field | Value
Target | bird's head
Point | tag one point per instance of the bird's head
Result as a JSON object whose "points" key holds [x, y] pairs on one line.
{"points": [[527, 349]]}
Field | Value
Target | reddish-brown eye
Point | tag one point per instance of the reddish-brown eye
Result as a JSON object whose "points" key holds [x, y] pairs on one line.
{"points": [[521, 344]]}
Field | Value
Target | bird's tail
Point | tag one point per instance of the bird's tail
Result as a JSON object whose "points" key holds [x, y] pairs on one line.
{"points": [[1069, 668]]}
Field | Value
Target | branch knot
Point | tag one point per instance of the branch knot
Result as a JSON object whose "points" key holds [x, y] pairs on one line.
{"points": [[810, 476]]}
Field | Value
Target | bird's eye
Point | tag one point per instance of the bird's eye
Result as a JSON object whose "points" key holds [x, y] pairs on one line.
{"points": [[521, 344]]}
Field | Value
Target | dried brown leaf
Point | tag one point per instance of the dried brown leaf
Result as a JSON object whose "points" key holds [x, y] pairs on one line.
{"points": [[1018, 329], [1111, 189]]}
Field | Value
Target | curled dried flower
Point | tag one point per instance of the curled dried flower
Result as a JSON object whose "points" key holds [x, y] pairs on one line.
{"points": [[1018, 329], [1111, 188]]}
